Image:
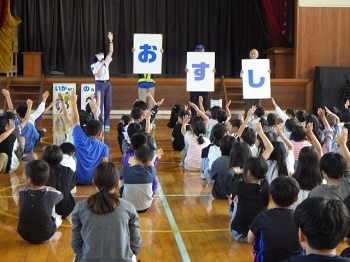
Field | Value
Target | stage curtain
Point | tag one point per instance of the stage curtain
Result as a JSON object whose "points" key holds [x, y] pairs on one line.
{"points": [[277, 14], [7, 34], [68, 32], [3, 11]]}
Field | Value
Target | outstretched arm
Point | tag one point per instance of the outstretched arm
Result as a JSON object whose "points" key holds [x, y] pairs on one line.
{"points": [[342, 139], [67, 120], [110, 38], [75, 113], [27, 116], [201, 113], [8, 99], [245, 122], [314, 140], [268, 146]]}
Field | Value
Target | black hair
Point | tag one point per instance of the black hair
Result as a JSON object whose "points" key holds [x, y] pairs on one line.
{"points": [[136, 113], [332, 120], [257, 166], [279, 155], [198, 129], [140, 104], [236, 122], [183, 113], [271, 119], [226, 144], [239, 153], [289, 124], [316, 126], [248, 136], [3, 123], [284, 190], [84, 119], [324, 222], [221, 116], [9, 115], [38, 171], [149, 140], [67, 148], [290, 111], [53, 155], [260, 111], [93, 127], [300, 116], [333, 164], [124, 121], [144, 154], [174, 114], [308, 172], [134, 128], [22, 110], [137, 140], [218, 131], [213, 111], [298, 134], [106, 178]]}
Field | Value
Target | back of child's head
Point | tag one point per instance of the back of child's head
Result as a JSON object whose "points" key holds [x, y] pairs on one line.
{"points": [[38, 171], [144, 154], [334, 110], [67, 148], [248, 136], [88, 108], [236, 122], [214, 110], [218, 131], [84, 118], [279, 155], [136, 113], [149, 140], [226, 144], [137, 140], [259, 112], [195, 119], [105, 178], [22, 110], [284, 190], [308, 173], [93, 127], [300, 116], [333, 164], [332, 120], [199, 130], [239, 153], [257, 167], [183, 113], [53, 155], [298, 134], [134, 128], [140, 104], [221, 116], [9, 115], [174, 115], [324, 222], [271, 119], [289, 124], [3, 123], [124, 121], [290, 112]]}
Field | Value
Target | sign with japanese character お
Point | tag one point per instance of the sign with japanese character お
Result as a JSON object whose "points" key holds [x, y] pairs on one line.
{"points": [[147, 53], [256, 78], [200, 71]]}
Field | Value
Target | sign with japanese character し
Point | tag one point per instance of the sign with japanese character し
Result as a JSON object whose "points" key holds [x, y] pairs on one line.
{"points": [[65, 89], [147, 53], [200, 70], [256, 78]]}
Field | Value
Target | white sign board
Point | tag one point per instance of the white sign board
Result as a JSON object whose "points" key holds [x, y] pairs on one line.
{"points": [[200, 71], [65, 89], [147, 54], [86, 90], [256, 78]]}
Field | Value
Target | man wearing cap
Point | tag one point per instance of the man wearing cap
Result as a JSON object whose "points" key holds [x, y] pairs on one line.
{"points": [[194, 96], [102, 83]]}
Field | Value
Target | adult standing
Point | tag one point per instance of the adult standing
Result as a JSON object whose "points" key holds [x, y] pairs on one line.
{"points": [[100, 69]]}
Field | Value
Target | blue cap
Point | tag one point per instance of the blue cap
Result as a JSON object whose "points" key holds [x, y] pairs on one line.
{"points": [[199, 47]]}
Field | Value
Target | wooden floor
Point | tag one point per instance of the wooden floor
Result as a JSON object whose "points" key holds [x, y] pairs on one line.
{"points": [[184, 222]]}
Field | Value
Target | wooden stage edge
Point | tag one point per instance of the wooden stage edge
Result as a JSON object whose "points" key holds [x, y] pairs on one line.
{"points": [[288, 92]]}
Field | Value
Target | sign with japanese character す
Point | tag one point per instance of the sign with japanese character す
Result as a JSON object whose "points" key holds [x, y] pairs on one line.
{"points": [[256, 78], [147, 53], [65, 89], [200, 71]]}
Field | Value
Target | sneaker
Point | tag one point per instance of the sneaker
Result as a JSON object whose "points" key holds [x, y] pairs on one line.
{"points": [[181, 164], [107, 128]]}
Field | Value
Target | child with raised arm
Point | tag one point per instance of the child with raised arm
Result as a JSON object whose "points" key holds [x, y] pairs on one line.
{"points": [[105, 227], [38, 221], [139, 181]]}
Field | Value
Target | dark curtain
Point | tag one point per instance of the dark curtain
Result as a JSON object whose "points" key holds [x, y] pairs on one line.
{"points": [[68, 32], [3, 11]]}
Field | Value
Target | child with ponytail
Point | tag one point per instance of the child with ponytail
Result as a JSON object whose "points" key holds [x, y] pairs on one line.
{"points": [[105, 227]]}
